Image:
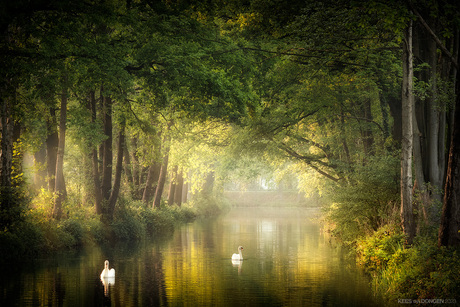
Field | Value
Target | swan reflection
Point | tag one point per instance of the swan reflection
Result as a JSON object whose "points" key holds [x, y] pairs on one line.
{"points": [[107, 277], [107, 281], [238, 264]]}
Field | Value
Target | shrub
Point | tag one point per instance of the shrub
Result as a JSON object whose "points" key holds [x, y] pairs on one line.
{"points": [[368, 201], [75, 229], [209, 206], [126, 225], [375, 251], [95, 230]]}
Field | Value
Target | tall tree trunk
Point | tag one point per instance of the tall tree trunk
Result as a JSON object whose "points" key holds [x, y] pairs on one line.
{"points": [[185, 192], [152, 178], [52, 141], [368, 136], [407, 216], [164, 168], [161, 179], [433, 127], [135, 168], [384, 111], [40, 168], [60, 187], [97, 182], [6, 155], [107, 158], [179, 188], [420, 186], [449, 231], [127, 164], [172, 186], [118, 168], [95, 160], [343, 136]]}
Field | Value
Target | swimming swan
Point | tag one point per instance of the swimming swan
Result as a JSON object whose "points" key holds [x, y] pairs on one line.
{"points": [[106, 273], [239, 256]]}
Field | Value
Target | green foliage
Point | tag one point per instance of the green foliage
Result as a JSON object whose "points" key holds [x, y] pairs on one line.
{"points": [[368, 201], [125, 226], [26, 241], [375, 251], [157, 221], [75, 229], [209, 205], [421, 272]]}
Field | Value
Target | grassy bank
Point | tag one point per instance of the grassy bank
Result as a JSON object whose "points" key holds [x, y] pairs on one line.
{"points": [[365, 215], [420, 272], [39, 234]]}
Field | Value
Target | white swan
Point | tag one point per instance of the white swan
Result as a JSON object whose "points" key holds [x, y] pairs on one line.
{"points": [[106, 273], [239, 256]]}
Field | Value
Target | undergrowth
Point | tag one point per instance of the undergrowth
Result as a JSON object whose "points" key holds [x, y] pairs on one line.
{"points": [[38, 233], [421, 271]]}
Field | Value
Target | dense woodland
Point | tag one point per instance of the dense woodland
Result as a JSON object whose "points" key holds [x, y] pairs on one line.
{"points": [[136, 104]]}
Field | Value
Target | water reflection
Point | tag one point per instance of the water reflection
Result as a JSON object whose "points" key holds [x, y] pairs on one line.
{"points": [[107, 281], [287, 261]]}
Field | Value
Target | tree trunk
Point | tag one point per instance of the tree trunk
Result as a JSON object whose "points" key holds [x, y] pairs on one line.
{"points": [[384, 111], [40, 168], [6, 197], [368, 136], [95, 160], [164, 168], [184, 192], [135, 168], [118, 168], [420, 186], [172, 186], [52, 142], [107, 158], [97, 182], [127, 165], [433, 127], [152, 177], [161, 180], [179, 188], [343, 136], [449, 231], [407, 216], [60, 187]]}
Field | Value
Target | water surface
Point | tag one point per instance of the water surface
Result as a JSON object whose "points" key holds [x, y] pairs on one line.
{"points": [[288, 261]]}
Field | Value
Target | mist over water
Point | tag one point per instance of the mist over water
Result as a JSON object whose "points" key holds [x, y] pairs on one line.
{"points": [[288, 261]]}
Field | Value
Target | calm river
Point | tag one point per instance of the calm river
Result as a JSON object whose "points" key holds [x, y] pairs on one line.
{"points": [[288, 261]]}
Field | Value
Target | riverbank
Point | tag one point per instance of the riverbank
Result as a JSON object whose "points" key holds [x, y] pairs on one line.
{"points": [[422, 272], [38, 234]]}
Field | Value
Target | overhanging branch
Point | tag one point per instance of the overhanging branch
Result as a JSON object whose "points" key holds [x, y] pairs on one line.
{"points": [[308, 161]]}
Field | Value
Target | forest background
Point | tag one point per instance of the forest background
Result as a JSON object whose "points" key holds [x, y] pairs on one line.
{"points": [[114, 111]]}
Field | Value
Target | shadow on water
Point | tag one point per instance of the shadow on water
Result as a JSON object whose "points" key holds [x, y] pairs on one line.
{"points": [[288, 261]]}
